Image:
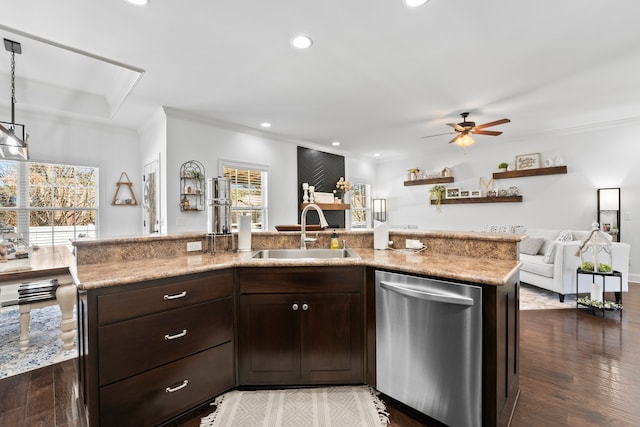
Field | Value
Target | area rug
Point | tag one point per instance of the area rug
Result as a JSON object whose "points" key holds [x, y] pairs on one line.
{"points": [[45, 345], [533, 298], [309, 407]]}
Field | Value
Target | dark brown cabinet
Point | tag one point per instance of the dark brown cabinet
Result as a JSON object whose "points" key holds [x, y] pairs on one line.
{"points": [[301, 326], [150, 351]]}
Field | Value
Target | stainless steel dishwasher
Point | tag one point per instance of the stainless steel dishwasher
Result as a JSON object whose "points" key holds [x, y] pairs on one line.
{"points": [[429, 346]]}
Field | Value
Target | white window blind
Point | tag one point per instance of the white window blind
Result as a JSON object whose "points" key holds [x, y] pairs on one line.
{"points": [[248, 193]]}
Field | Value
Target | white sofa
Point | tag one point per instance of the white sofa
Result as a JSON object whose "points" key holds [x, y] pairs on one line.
{"points": [[557, 271]]}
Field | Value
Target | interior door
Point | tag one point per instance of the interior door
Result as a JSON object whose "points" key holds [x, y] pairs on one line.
{"points": [[151, 198]]}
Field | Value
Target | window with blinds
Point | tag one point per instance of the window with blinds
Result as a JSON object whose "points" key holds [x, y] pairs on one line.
{"points": [[48, 204], [360, 209], [248, 194]]}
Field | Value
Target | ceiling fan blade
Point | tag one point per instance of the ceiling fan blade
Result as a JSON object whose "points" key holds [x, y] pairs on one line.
{"points": [[486, 132], [454, 139], [456, 127], [439, 134], [495, 123]]}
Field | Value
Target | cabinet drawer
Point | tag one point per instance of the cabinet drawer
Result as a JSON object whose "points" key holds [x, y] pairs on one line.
{"points": [[129, 347], [300, 280], [160, 297], [157, 395]]}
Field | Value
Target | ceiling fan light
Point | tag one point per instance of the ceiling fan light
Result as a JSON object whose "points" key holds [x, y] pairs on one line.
{"points": [[464, 140]]}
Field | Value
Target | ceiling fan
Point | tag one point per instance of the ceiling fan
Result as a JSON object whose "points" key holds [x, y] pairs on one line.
{"points": [[465, 128]]}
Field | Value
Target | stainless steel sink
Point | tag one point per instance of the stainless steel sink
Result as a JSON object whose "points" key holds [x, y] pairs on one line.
{"points": [[303, 254]]}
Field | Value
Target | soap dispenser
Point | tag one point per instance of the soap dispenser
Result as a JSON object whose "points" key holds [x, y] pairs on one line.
{"points": [[334, 241]]}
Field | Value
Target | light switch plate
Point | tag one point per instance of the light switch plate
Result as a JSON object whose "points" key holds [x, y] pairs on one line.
{"points": [[194, 246]]}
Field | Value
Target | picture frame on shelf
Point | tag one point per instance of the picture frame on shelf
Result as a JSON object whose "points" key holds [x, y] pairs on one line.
{"points": [[465, 193], [452, 193], [475, 193], [528, 161]]}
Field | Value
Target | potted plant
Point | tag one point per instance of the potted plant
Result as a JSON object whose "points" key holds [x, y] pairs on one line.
{"points": [[437, 193], [502, 167]]}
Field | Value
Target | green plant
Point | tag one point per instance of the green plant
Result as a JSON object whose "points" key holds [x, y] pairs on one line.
{"points": [[602, 268], [437, 193], [503, 165]]}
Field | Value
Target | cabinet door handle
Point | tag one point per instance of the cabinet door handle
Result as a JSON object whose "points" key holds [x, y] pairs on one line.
{"points": [[178, 335], [175, 296], [294, 307], [305, 306], [176, 388]]}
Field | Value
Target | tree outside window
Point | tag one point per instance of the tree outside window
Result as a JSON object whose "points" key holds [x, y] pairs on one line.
{"points": [[49, 204]]}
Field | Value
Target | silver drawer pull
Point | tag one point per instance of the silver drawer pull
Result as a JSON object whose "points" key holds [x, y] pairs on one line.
{"points": [[176, 296], [178, 335], [294, 307], [176, 388], [305, 307]]}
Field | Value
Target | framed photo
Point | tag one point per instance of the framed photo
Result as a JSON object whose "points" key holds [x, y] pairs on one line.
{"points": [[528, 161], [452, 193], [475, 193], [464, 193]]}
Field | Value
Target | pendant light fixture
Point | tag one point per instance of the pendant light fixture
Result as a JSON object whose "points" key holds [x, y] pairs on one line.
{"points": [[13, 144]]}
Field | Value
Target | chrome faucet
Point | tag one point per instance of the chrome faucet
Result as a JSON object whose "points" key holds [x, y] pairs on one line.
{"points": [[303, 224]]}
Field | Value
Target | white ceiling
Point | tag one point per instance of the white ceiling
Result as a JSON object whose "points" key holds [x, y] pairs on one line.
{"points": [[378, 77]]}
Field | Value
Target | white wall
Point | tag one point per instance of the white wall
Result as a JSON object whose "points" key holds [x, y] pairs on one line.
{"points": [[207, 141], [595, 158], [153, 146], [113, 150]]}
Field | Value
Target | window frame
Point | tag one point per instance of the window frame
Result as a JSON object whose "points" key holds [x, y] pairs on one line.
{"points": [[24, 209], [265, 171], [368, 211]]}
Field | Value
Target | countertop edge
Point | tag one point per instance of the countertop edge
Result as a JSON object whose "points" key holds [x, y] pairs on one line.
{"points": [[192, 264]]}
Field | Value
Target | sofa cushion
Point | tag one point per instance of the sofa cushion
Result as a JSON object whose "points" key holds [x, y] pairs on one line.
{"points": [[548, 236], [550, 253], [531, 245], [535, 264]]}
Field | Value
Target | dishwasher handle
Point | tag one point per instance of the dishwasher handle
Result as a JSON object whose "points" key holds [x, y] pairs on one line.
{"points": [[430, 296]]}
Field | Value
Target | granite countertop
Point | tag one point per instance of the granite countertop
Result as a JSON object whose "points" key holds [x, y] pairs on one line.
{"points": [[477, 270]]}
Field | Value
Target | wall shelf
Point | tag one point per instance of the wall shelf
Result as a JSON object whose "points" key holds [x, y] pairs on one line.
{"points": [[554, 170], [465, 200], [441, 180], [330, 206], [192, 182]]}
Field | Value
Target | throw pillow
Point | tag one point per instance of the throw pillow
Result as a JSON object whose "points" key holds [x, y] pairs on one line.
{"points": [[531, 245], [550, 253]]}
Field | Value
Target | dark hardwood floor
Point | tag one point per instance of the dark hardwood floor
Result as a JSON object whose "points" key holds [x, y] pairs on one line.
{"points": [[576, 369]]}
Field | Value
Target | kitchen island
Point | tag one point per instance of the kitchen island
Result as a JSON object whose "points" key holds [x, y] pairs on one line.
{"points": [[129, 288]]}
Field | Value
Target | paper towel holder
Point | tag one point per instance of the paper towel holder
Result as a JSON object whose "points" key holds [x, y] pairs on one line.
{"points": [[380, 210]]}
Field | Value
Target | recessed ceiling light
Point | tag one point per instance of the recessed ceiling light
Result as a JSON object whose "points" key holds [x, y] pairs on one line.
{"points": [[139, 2], [335, 143], [302, 41], [415, 3], [376, 155], [265, 124]]}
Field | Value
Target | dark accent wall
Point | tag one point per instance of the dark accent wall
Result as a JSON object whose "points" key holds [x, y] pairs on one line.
{"points": [[322, 170]]}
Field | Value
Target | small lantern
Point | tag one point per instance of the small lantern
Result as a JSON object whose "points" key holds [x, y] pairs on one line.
{"points": [[595, 251]]}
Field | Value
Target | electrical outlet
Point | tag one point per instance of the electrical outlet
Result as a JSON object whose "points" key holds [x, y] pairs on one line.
{"points": [[413, 244], [194, 246]]}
